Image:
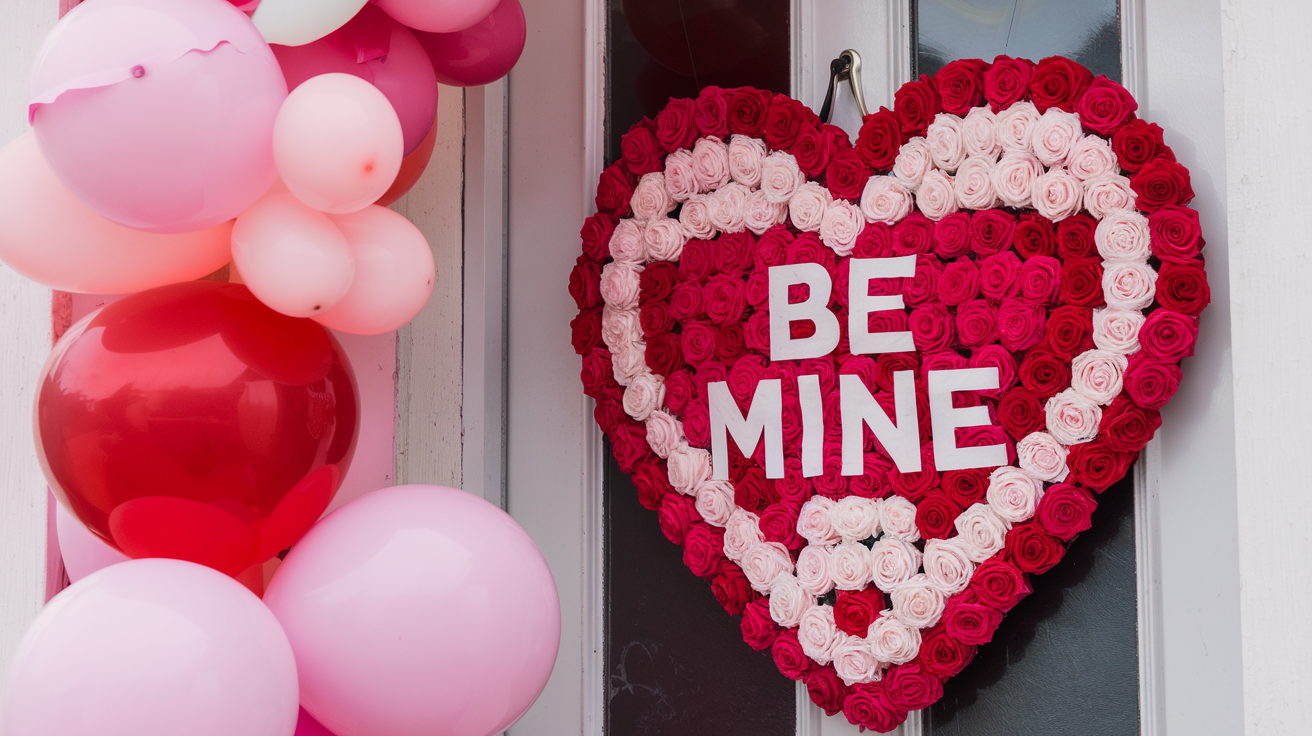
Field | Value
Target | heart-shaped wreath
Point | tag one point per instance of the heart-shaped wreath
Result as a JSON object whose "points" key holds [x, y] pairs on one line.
{"points": [[1006, 257]]}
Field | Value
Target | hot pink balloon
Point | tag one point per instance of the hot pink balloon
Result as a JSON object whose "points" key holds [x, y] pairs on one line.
{"points": [[380, 51], [338, 143], [438, 16], [418, 610], [292, 257], [307, 726], [393, 273], [158, 113], [83, 552], [482, 53], [153, 647], [48, 235]]}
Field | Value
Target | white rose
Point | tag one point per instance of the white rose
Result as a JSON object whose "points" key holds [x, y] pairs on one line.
{"points": [[760, 214], [807, 206], [813, 522], [1117, 330], [1107, 193], [854, 662], [1013, 178], [849, 566], [1123, 237], [855, 518], [1128, 285], [842, 223], [620, 284], [1091, 156], [619, 327], [947, 565], [1057, 195], [650, 198], [813, 570], [728, 206], [710, 164], [1013, 494], [788, 601], [695, 216], [664, 433], [741, 534], [746, 155], [886, 199], [1015, 126], [665, 239], [946, 149], [689, 467], [626, 243], [893, 561], [1072, 419], [974, 183], [780, 176], [765, 563], [979, 133], [936, 196], [629, 362], [897, 516], [680, 180], [918, 602], [1042, 457], [981, 532], [818, 634], [644, 395], [1098, 375], [714, 501], [893, 640], [1054, 136], [912, 163]]}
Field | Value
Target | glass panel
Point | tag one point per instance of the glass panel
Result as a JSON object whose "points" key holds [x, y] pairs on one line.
{"points": [[1087, 31]]}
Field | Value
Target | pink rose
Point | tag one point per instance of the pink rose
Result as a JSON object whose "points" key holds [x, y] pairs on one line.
{"points": [[680, 179], [710, 164], [917, 602], [650, 198], [695, 217], [946, 148], [1123, 237], [741, 533], [1098, 375], [893, 640], [814, 523], [1091, 156], [1013, 494], [855, 663], [893, 561], [1072, 418], [746, 155], [626, 243], [1054, 135], [979, 133], [788, 601], [1107, 193], [1042, 457], [644, 395], [849, 566], [620, 284], [1117, 330], [813, 570], [854, 518], [765, 563], [886, 199], [841, 226], [974, 182], [981, 532], [629, 362], [689, 467], [818, 634], [663, 433], [664, 239], [897, 517], [936, 196], [714, 500], [1057, 194], [1013, 178], [947, 565], [1128, 286], [807, 206], [1015, 126], [780, 176], [760, 214], [912, 163], [728, 208]]}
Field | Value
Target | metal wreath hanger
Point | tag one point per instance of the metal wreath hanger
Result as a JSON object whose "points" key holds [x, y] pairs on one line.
{"points": [[847, 67]]}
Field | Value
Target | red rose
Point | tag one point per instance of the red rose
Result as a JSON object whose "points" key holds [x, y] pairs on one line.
{"points": [[698, 340], [1021, 412], [1007, 81], [697, 424], [596, 233], [977, 323], [655, 319], [629, 443], [779, 524], [585, 330], [966, 487], [782, 121], [916, 104], [913, 235], [771, 248], [1075, 237], [756, 332], [999, 584], [889, 363], [1065, 511], [614, 190], [1126, 427], [879, 140], [945, 360], [680, 389], [640, 151], [1020, 324], [826, 690], [923, 286], [730, 343], [676, 516], [943, 654], [1040, 279], [995, 356], [1161, 182], [1034, 236], [959, 282], [1096, 466], [1033, 550], [675, 127], [1151, 383], [935, 514], [1183, 288], [1105, 106], [809, 150], [747, 109], [734, 254], [1168, 336], [733, 592], [703, 549], [909, 687], [752, 491], [788, 655], [1044, 373], [725, 299], [931, 327], [652, 482], [747, 371], [971, 623], [991, 232], [657, 281], [875, 241], [807, 248], [1070, 331], [1058, 82], [999, 275], [1138, 142], [846, 175], [759, 630], [985, 436], [855, 610], [664, 353], [961, 85], [952, 236], [598, 376], [1177, 236], [867, 706], [914, 486], [711, 112], [1081, 283], [686, 301], [609, 413], [585, 283]]}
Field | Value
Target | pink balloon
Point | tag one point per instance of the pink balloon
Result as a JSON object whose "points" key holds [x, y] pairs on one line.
{"points": [[418, 610], [380, 51], [482, 53], [158, 113], [338, 143], [307, 726], [393, 273], [292, 258], [438, 16], [82, 551], [48, 235], [153, 647]]}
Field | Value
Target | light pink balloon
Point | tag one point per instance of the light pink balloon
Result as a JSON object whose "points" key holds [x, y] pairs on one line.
{"points": [[292, 258], [438, 16], [418, 610], [153, 647], [338, 143], [158, 113], [482, 53], [83, 552], [48, 235], [380, 51], [393, 273]]}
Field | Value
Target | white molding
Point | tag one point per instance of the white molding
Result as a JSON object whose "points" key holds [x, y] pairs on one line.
{"points": [[1134, 72], [802, 27]]}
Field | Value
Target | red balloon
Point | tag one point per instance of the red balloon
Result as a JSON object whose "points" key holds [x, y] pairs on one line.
{"points": [[482, 53], [193, 422]]}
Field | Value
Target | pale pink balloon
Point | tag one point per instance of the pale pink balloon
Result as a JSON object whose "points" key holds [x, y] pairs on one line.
{"points": [[380, 51], [158, 113], [83, 552], [153, 647], [438, 16], [48, 235], [418, 610], [482, 53], [338, 143], [393, 273], [292, 257]]}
